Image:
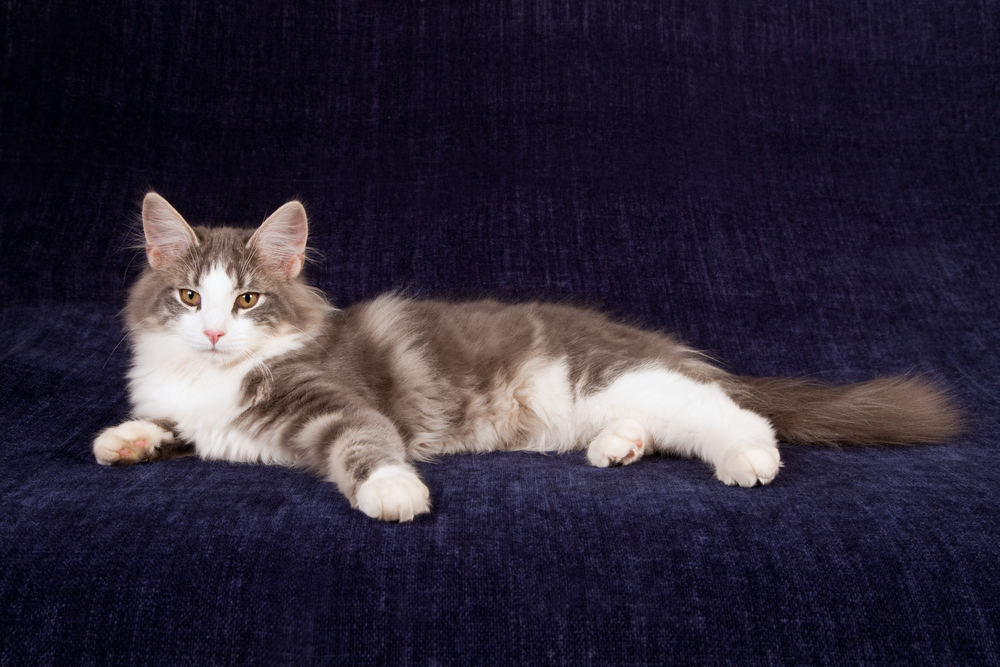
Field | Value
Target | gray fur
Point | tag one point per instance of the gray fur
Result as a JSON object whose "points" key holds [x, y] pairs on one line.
{"points": [[396, 380]]}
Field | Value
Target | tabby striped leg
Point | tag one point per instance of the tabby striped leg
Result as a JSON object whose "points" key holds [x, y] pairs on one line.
{"points": [[366, 459]]}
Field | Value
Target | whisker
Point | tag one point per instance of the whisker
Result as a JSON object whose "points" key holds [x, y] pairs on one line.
{"points": [[127, 267], [123, 338], [258, 362]]}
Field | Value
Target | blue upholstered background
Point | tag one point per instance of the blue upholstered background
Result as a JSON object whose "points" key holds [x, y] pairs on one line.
{"points": [[798, 188]]}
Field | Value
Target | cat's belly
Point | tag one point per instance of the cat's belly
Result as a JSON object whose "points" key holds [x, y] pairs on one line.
{"points": [[535, 410], [541, 410]]}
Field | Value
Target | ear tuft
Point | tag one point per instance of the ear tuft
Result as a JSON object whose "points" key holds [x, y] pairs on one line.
{"points": [[280, 241], [168, 236]]}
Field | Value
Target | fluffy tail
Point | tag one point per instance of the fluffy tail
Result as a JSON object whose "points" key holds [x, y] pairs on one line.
{"points": [[892, 410]]}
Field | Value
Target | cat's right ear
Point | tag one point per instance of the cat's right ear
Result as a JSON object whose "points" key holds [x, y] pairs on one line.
{"points": [[168, 236]]}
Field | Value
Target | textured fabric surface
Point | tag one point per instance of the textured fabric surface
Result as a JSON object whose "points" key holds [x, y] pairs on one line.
{"points": [[797, 188]]}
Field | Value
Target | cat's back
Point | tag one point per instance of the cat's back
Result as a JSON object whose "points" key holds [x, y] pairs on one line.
{"points": [[458, 332], [488, 338]]}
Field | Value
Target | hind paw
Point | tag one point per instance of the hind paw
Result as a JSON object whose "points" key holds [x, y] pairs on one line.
{"points": [[749, 467], [623, 442]]}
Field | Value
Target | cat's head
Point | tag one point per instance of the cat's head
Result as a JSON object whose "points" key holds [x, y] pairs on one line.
{"points": [[226, 294]]}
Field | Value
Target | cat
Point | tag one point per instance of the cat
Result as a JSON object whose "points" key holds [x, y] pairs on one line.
{"points": [[235, 357]]}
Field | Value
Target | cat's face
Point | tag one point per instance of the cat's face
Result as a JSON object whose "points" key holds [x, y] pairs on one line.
{"points": [[221, 314], [224, 294]]}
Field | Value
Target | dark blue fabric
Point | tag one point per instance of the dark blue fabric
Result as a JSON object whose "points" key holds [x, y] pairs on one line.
{"points": [[798, 188]]}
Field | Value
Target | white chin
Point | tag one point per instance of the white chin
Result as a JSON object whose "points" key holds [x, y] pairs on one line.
{"points": [[219, 356]]}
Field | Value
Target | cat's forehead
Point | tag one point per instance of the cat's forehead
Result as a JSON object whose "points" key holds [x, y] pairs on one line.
{"points": [[222, 245], [221, 256], [218, 279]]}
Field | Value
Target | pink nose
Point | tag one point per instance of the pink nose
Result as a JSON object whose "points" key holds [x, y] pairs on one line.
{"points": [[214, 335]]}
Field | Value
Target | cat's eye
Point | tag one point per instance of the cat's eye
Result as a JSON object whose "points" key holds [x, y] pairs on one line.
{"points": [[190, 297], [248, 300]]}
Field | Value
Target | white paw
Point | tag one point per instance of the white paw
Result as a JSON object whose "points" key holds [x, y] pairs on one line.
{"points": [[621, 443], [393, 493], [748, 467], [127, 443]]}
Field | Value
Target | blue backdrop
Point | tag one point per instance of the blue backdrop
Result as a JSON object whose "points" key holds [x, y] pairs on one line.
{"points": [[797, 188]]}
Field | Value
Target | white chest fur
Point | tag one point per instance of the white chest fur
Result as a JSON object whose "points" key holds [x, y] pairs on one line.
{"points": [[169, 381]]}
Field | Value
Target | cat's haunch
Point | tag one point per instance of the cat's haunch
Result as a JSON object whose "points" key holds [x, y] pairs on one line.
{"points": [[235, 357]]}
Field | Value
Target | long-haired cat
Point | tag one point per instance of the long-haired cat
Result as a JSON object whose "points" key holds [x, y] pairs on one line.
{"points": [[235, 357]]}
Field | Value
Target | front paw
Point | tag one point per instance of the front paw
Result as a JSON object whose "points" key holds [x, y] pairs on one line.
{"points": [[393, 493], [129, 443]]}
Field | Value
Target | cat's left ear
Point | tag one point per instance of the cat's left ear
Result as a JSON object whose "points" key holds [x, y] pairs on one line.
{"points": [[280, 241]]}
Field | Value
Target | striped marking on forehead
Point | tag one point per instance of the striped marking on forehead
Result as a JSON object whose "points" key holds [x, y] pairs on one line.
{"points": [[223, 249]]}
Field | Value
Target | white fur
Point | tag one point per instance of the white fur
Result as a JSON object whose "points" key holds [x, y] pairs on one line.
{"points": [[542, 395], [134, 440], [622, 442], [551, 398], [692, 418], [393, 493], [218, 294], [179, 375], [676, 413]]}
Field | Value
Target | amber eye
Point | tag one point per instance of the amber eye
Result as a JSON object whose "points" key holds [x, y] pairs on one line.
{"points": [[190, 297], [248, 300]]}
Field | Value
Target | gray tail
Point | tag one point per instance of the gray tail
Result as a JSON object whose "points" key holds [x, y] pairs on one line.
{"points": [[890, 410]]}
